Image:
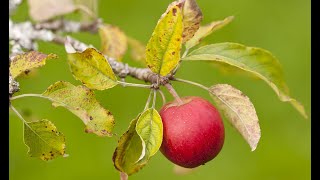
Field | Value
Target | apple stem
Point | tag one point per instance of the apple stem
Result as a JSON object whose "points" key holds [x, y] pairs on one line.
{"points": [[191, 82], [173, 93]]}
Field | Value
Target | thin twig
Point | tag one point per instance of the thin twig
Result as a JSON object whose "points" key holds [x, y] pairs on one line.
{"points": [[134, 85], [191, 82]]}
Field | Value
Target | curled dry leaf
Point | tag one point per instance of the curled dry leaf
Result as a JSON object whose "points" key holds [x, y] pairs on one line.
{"points": [[126, 155], [239, 110], [81, 101], [192, 17], [43, 140]]}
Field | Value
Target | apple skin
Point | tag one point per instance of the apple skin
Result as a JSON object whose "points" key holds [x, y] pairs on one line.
{"points": [[193, 133]]}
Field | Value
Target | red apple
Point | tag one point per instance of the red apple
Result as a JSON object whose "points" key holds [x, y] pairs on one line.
{"points": [[193, 132]]}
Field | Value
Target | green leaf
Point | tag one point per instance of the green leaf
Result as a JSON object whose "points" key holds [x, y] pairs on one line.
{"points": [[192, 16], [163, 48], [126, 155], [43, 140], [81, 101], [207, 30], [149, 128], [250, 59], [27, 61], [113, 41], [92, 69], [239, 110]]}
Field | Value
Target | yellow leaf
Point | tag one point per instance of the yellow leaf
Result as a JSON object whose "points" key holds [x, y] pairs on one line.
{"points": [[163, 48]]}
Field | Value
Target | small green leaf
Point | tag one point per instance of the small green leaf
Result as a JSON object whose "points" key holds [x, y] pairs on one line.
{"points": [[239, 110], [113, 41], [250, 59], [92, 69], [163, 48], [81, 101], [27, 61], [207, 30], [126, 155], [192, 16], [137, 50], [43, 140], [149, 128]]}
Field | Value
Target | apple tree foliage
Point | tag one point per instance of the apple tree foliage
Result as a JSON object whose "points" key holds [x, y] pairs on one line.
{"points": [[175, 40]]}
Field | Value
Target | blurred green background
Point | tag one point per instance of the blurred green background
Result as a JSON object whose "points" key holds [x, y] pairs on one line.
{"points": [[282, 27]]}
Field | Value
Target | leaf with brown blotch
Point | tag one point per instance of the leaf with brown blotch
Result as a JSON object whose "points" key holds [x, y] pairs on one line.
{"points": [[192, 17], [27, 61], [239, 111]]}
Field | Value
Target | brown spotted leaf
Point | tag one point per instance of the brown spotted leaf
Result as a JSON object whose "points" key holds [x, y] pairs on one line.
{"points": [[81, 101], [192, 16], [25, 62], [163, 48], [127, 153], [206, 30], [239, 110], [113, 41], [43, 140], [92, 69]]}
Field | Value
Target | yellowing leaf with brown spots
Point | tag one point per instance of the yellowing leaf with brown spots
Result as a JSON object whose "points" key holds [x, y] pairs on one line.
{"points": [[192, 16], [239, 111], [206, 30], [43, 140], [126, 156], [25, 62], [81, 101], [163, 48], [92, 69], [113, 41]]}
